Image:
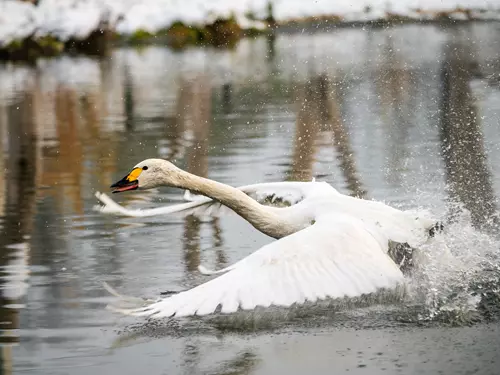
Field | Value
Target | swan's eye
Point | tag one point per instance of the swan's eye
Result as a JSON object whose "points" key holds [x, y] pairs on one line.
{"points": [[145, 168]]}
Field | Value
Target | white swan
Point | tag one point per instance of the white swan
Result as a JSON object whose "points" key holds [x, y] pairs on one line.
{"points": [[330, 245]]}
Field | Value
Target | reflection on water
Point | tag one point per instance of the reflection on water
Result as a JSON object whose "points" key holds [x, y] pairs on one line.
{"points": [[189, 135], [468, 177], [306, 131], [21, 162], [397, 101], [377, 113], [319, 118]]}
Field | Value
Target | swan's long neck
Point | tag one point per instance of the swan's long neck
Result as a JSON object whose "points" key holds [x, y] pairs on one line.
{"points": [[265, 219]]}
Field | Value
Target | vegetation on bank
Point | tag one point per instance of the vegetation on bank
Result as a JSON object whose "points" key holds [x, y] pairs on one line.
{"points": [[31, 48], [220, 33], [223, 33]]}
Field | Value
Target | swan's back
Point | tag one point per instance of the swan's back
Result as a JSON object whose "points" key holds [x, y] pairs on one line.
{"points": [[398, 226]]}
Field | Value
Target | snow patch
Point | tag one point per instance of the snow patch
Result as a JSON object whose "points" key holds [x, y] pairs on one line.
{"points": [[77, 19]]}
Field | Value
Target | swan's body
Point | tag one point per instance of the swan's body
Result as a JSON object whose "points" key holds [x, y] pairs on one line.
{"points": [[330, 245]]}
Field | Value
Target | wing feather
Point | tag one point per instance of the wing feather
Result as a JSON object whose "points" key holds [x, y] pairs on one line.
{"points": [[289, 192], [326, 281], [336, 257], [290, 291], [230, 302]]}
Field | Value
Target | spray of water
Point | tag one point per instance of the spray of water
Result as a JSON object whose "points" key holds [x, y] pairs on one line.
{"points": [[457, 275]]}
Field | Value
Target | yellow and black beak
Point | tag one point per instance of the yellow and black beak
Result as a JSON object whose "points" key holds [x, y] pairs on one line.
{"points": [[129, 182]]}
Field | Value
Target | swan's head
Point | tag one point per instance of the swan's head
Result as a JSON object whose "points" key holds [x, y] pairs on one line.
{"points": [[148, 174]]}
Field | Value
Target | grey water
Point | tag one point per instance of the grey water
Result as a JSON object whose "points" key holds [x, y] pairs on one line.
{"points": [[407, 115]]}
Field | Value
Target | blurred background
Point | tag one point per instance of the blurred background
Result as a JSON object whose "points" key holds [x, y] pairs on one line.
{"points": [[391, 100]]}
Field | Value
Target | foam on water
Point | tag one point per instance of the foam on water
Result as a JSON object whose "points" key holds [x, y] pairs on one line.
{"points": [[456, 274]]}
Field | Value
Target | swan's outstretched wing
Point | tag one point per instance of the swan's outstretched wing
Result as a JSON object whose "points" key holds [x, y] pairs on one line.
{"points": [[335, 257], [285, 193], [198, 206], [288, 193]]}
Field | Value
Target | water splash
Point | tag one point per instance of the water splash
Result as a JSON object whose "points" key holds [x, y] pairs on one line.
{"points": [[457, 275]]}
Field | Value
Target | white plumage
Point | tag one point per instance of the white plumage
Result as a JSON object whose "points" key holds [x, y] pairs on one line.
{"points": [[305, 199], [334, 258], [329, 245], [288, 192]]}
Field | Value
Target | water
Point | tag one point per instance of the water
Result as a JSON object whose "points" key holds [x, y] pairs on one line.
{"points": [[406, 115]]}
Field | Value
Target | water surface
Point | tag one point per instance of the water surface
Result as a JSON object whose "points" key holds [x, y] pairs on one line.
{"points": [[406, 115]]}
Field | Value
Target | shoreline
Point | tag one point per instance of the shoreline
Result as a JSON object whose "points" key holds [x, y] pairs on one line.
{"points": [[222, 33]]}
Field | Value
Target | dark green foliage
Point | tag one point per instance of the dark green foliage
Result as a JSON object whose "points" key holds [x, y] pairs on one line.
{"points": [[31, 48]]}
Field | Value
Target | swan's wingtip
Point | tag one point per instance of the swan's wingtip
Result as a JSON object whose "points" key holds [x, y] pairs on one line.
{"points": [[128, 305], [127, 311], [109, 205], [110, 289], [106, 209], [205, 271], [101, 196], [97, 208]]}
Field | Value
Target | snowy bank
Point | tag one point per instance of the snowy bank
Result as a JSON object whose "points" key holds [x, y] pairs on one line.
{"points": [[67, 20]]}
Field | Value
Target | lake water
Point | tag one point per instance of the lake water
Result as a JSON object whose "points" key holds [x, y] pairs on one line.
{"points": [[408, 115]]}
